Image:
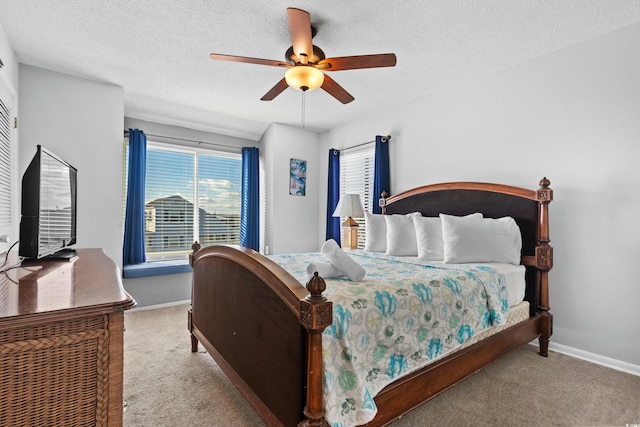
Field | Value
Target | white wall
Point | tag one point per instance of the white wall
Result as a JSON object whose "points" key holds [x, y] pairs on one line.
{"points": [[82, 122], [10, 70], [573, 116], [177, 135], [290, 220]]}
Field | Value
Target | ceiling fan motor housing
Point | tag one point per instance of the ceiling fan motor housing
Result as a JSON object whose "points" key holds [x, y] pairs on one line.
{"points": [[291, 58]]}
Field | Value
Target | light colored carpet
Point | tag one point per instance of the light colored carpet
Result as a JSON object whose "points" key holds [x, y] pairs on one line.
{"points": [[167, 385]]}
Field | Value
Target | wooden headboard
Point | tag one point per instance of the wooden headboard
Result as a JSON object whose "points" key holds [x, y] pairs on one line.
{"points": [[529, 208]]}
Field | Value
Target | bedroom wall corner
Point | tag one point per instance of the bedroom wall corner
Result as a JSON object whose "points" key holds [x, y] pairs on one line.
{"points": [[288, 217], [81, 121], [266, 202]]}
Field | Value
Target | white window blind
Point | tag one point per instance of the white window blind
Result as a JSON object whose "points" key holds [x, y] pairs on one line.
{"points": [[7, 166], [190, 195], [356, 176], [219, 199], [169, 202]]}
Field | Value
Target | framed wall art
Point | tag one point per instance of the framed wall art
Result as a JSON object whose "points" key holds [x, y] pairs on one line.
{"points": [[297, 177]]}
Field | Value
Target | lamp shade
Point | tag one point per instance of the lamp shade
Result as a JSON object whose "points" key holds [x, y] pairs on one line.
{"points": [[304, 77], [349, 206]]}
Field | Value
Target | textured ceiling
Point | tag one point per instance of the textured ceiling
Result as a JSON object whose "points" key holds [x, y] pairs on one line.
{"points": [[157, 50]]}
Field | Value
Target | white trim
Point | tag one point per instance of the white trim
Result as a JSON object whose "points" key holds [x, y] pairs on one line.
{"points": [[616, 364], [154, 306]]}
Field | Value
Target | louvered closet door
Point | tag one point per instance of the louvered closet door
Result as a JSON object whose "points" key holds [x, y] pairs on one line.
{"points": [[8, 182]]}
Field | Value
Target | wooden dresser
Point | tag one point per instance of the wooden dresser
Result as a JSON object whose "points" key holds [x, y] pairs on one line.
{"points": [[61, 342]]}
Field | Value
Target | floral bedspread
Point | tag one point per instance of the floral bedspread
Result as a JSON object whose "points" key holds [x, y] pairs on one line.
{"points": [[403, 315]]}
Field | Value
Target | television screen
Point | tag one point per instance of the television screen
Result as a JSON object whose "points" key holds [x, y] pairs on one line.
{"points": [[49, 194]]}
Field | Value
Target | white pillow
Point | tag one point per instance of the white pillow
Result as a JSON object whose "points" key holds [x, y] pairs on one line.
{"points": [[401, 235], [474, 239], [375, 233], [429, 237]]}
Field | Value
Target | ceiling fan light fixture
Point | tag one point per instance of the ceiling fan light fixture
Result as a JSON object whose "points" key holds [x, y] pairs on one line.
{"points": [[304, 77]]}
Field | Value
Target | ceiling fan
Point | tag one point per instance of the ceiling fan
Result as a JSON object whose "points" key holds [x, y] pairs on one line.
{"points": [[306, 62]]}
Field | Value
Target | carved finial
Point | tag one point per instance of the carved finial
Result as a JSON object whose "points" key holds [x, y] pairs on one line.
{"points": [[196, 246], [383, 201], [545, 183], [544, 193], [316, 286]]}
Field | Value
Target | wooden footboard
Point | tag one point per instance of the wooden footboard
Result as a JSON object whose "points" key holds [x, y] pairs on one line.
{"points": [[259, 324], [264, 329]]}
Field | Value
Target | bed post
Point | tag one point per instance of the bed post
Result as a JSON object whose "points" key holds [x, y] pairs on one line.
{"points": [[316, 314], [383, 202], [194, 341], [544, 263]]}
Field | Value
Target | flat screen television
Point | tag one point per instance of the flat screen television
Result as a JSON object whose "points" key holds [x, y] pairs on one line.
{"points": [[48, 216]]}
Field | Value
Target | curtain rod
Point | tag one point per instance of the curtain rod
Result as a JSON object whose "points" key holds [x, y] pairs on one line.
{"points": [[384, 139], [126, 132]]}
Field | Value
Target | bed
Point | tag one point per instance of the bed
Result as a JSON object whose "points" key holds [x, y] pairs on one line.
{"points": [[268, 328]]}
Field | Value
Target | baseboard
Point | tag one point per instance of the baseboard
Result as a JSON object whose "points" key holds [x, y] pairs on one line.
{"points": [[154, 306], [616, 364]]}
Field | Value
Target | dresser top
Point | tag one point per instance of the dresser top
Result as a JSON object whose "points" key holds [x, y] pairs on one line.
{"points": [[91, 283]]}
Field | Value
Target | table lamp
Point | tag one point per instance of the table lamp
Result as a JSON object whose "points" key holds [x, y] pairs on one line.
{"points": [[349, 206]]}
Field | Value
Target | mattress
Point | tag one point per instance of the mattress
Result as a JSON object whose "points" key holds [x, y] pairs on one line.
{"points": [[515, 282]]}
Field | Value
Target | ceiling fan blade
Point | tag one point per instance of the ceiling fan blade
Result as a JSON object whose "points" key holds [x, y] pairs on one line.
{"points": [[248, 60], [300, 27], [335, 90], [275, 91], [357, 62]]}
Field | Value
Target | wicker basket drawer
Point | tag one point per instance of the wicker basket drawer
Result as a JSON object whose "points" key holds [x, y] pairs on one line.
{"points": [[55, 374]]}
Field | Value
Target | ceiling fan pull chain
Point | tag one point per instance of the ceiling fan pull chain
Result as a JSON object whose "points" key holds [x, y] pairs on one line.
{"points": [[303, 108]]}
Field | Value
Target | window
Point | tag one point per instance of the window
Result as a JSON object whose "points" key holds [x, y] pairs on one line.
{"points": [[190, 195], [356, 176]]}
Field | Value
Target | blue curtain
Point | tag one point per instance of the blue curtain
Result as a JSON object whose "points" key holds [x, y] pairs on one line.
{"points": [[250, 207], [133, 248], [333, 195], [381, 174]]}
